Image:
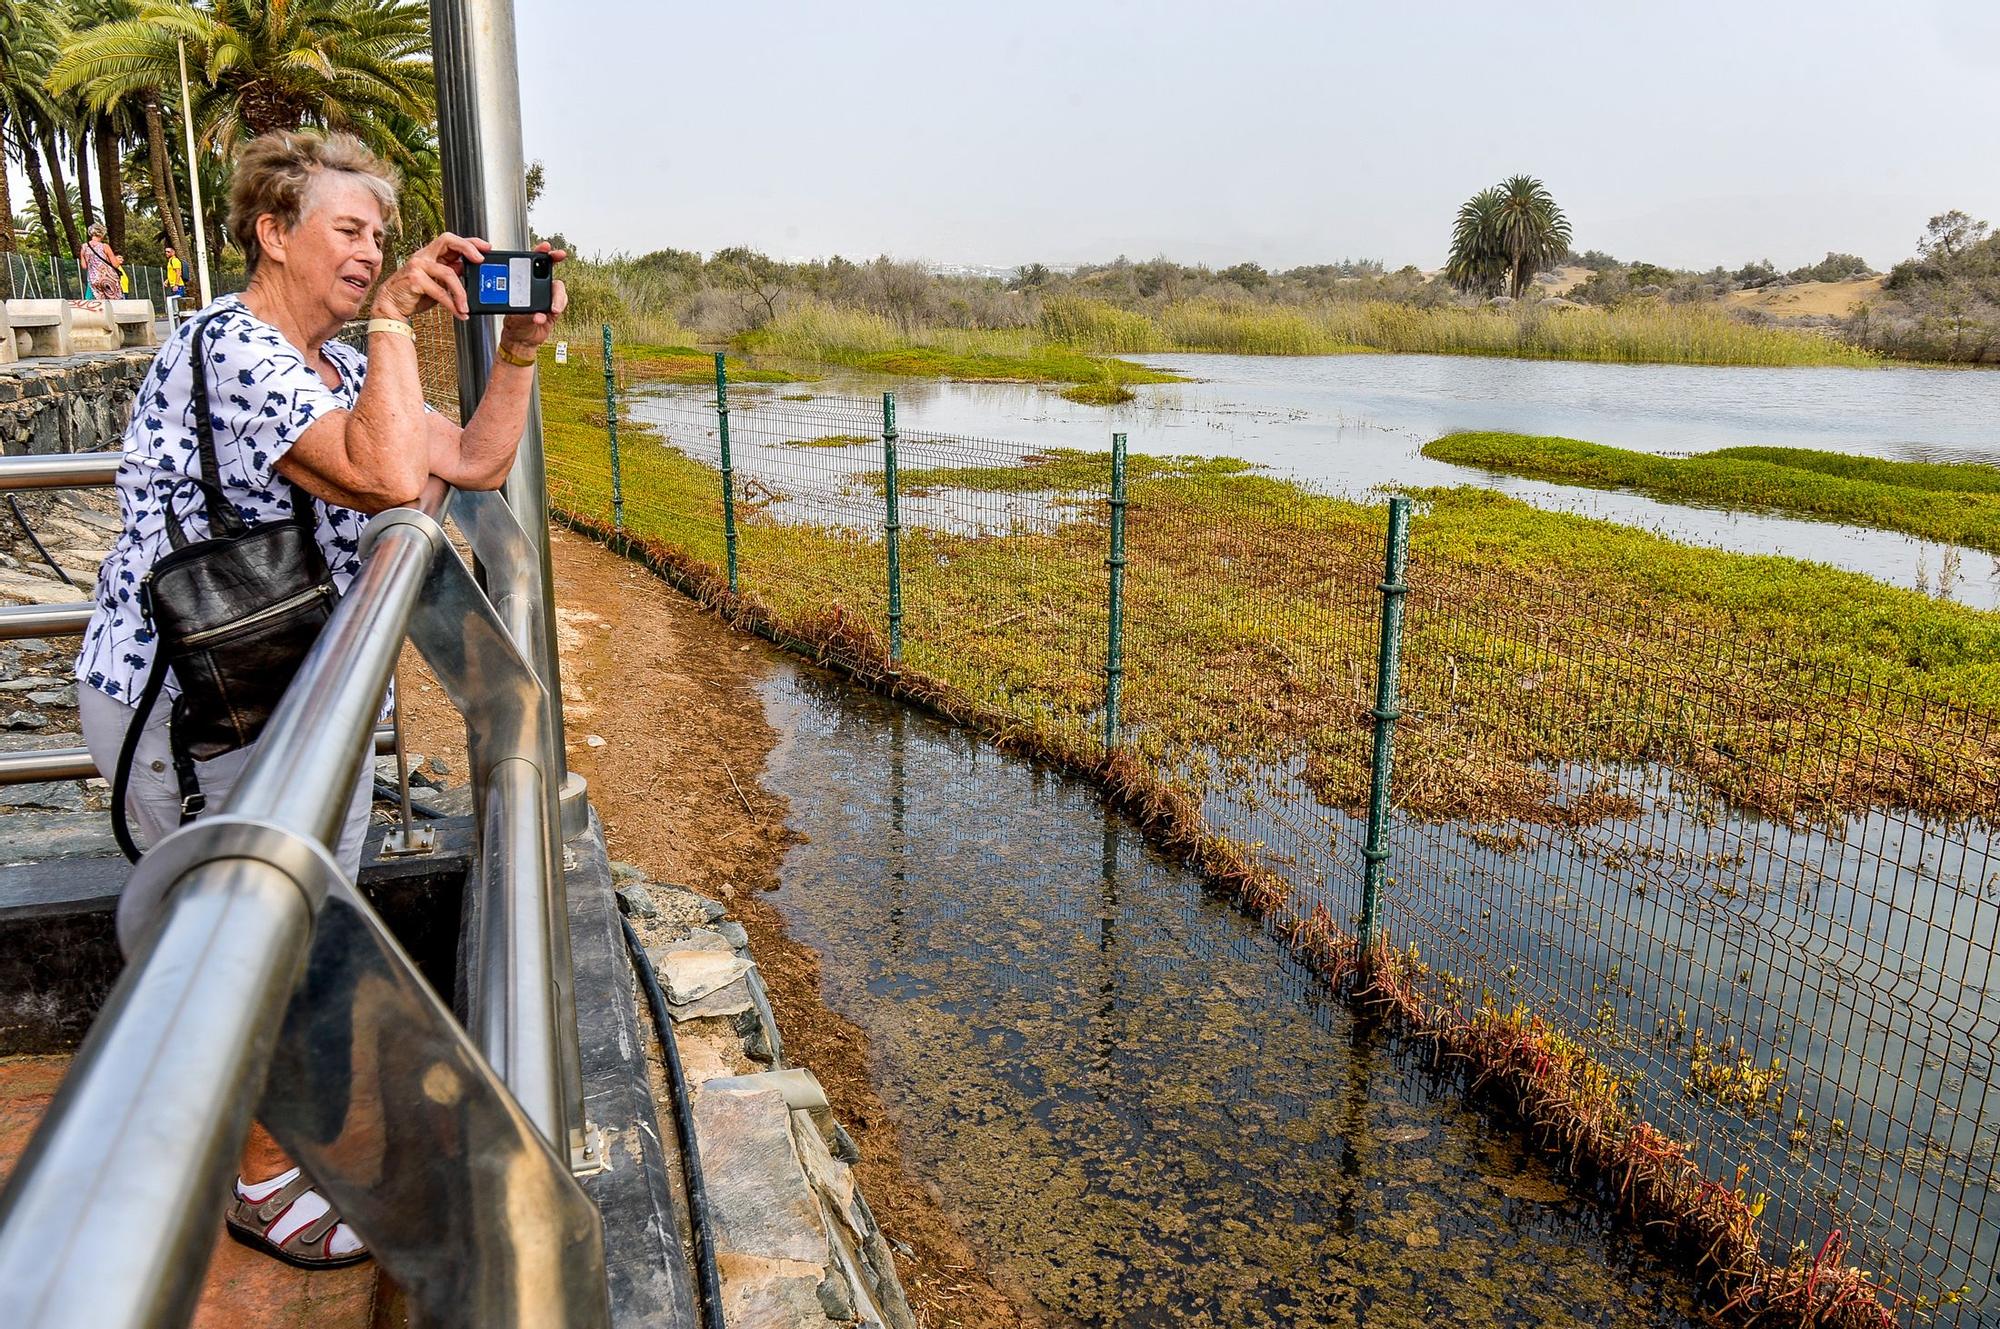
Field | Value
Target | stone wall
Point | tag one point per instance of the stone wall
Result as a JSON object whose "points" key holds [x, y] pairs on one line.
{"points": [[76, 404], [796, 1245]]}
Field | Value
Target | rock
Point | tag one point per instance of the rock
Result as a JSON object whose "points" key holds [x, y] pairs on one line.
{"points": [[1501, 301], [690, 974], [845, 1149], [625, 872], [835, 1299], [24, 684], [636, 900], [714, 910], [592, 741], [735, 935], [59, 795], [757, 1190], [771, 1045], [800, 1087], [26, 720], [771, 1294]]}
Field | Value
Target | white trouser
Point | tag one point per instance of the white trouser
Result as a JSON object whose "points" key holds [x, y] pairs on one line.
{"points": [[153, 803]]}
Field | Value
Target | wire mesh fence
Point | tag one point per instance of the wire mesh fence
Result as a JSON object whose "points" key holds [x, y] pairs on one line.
{"points": [[1740, 894], [32, 277]]}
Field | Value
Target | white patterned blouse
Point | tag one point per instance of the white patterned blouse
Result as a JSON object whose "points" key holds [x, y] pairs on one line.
{"points": [[262, 396]]}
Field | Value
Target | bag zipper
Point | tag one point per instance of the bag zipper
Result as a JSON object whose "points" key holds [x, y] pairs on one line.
{"points": [[263, 615]]}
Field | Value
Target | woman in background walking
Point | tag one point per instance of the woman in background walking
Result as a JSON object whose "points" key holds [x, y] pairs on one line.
{"points": [[102, 266]]}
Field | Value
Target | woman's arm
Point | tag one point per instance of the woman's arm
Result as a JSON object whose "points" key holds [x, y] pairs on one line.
{"points": [[378, 455]]}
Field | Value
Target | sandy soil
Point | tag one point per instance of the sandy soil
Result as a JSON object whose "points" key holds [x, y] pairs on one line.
{"points": [[1836, 298], [671, 694]]}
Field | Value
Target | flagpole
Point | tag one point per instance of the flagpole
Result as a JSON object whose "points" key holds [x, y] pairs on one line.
{"points": [[194, 180]]}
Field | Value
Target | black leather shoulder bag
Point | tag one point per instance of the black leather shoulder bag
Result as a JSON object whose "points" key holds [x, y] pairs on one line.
{"points": [[233, 617]]}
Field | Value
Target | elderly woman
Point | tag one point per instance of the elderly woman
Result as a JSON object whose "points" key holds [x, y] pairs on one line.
{"points": [[291, 407]]}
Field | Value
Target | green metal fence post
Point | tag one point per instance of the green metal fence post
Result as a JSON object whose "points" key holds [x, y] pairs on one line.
{"points": [[611, 428], [1114, 637], [728, 474], [893, 528], [1386, 713]]}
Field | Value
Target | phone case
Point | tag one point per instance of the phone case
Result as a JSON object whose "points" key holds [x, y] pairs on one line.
{"points": [[510, 282]]}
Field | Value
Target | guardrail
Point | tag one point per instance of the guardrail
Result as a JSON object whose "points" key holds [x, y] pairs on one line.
{"points": [[253, 962]]}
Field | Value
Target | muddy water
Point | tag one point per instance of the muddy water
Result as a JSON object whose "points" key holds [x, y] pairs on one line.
{"points": [[1140, 1111]]}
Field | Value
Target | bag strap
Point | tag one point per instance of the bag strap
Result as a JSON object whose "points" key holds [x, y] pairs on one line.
{"points": [[192, 799], [223, 518]]}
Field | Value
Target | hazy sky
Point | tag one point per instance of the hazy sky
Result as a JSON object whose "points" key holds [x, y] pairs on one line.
{"points": [[1687, 133]]}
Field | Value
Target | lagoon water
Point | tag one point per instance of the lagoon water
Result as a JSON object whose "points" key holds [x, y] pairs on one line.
{"points": [[1351, 423], [1143, 1113]]}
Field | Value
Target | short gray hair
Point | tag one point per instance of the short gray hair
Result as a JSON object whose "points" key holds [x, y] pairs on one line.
{"points": [[275, 174]]}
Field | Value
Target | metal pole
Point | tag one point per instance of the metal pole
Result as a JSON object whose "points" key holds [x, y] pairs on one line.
{"points": [[611, 428], [194, 182], [892, 528], [1386, 713], [1114, 636], [485, 195], [728, 474]]}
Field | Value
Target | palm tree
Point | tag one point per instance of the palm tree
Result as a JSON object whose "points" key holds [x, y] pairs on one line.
{"points": [[358, 65], [28, 41], [1504, 235], [1477, 262], [1533, 232], [258, 66]]}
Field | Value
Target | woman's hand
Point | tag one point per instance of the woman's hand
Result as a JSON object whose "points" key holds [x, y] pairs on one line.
{"points": [[434, 275], [521, 334]]}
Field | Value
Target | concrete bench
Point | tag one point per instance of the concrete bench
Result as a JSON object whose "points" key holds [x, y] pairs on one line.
{"points": [[134, 319], [40, 327], [92, 326]]}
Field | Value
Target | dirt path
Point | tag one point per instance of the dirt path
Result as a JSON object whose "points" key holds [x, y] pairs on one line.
{"points": [[671, 692]]}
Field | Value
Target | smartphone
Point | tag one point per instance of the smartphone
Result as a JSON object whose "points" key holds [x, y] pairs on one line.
{"points": [[511, 281]]}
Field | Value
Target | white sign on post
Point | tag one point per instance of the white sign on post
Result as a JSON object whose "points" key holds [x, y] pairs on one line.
{"points": [[562, 352]]}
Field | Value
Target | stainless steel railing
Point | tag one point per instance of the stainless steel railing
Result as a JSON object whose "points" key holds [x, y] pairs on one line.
{"points": [[251, 955]]}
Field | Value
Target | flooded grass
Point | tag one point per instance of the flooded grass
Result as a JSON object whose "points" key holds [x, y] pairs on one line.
{"points": [[1142, 1110], [1251, 603], [1955, 504]]}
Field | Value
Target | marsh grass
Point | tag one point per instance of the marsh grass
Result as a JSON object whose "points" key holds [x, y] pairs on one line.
{"points": [[1663, 334], [814, 332], [1955, 504], [834, 441]]}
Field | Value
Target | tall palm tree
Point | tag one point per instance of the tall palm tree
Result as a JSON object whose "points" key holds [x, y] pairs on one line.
{"points": [[1477, 263], [258, 66], [254, 65], [1532, 231], [28, 41]]}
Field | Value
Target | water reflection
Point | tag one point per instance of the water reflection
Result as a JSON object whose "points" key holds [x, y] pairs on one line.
{"points": [[1140, 1110]]}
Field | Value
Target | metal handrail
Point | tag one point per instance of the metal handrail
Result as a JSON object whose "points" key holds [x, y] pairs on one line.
{"points": [[109, 1216]]}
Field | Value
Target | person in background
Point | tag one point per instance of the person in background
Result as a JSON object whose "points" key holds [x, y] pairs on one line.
{"points": [[176, 285], [102, 266]]}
